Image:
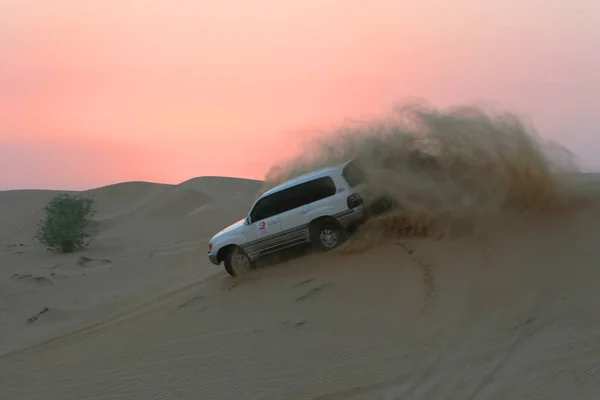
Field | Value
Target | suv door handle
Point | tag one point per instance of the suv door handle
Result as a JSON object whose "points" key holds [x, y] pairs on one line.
{"points": [[272, 222], [304, 211]]}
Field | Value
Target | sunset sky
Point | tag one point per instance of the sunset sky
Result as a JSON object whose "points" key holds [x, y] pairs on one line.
{"points": [[94, 92]]}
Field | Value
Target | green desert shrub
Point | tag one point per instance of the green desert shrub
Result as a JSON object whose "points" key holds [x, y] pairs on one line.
{"points": [[65, 227]]}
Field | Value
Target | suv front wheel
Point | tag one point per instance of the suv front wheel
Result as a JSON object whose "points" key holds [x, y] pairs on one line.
{"points": [[237, 262], [327, 235]]}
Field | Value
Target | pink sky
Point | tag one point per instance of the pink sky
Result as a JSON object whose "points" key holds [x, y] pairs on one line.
{"points": [[94, 92]]}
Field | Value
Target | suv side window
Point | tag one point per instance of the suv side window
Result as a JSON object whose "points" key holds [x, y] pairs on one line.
{"points": [[353, 174], [274, 204], [264, 208], [294, 197], [317, 189]]}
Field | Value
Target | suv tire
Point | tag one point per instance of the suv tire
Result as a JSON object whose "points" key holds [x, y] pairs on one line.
{"points": [[327, 235], [237, 262]]}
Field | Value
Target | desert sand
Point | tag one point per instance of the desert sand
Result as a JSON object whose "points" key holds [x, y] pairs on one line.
{"points": [[482, 285], [510, 313]]}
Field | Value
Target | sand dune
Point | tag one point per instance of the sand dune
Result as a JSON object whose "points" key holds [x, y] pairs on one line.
{"points": [[151, 237], [483, 284], [508, 313]]}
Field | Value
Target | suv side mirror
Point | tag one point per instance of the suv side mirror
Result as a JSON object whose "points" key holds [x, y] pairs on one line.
{"points": [[247, 220]]}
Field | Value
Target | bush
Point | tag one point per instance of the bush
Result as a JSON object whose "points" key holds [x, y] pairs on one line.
{"points": [[64, 229]]}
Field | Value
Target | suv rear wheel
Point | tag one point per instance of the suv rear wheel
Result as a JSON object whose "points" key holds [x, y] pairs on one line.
{"points": [[327, 235], [237, 262]]}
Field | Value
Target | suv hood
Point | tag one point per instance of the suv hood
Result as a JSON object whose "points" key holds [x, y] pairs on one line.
{"points": [[231, 228]]}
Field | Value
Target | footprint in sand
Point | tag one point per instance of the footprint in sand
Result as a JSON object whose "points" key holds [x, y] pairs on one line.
{"points": [[312, 292], [84, 262], [37, 316], [91, 262], [194, 302], [29, 279]]}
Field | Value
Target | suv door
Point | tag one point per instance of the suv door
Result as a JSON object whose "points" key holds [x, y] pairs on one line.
{"points": [[323, 199], [310, 200], [294, 220], [263, 226]]}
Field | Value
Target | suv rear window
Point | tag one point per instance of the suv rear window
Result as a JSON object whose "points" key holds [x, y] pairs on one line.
{"points": [[315, 190], [293, 197], [353, 174]]}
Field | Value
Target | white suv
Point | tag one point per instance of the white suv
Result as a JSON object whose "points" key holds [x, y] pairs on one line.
{"points": [[317, 208]]}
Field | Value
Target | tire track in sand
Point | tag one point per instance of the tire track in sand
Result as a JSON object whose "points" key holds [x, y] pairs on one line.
{"points": [[429, 283]]}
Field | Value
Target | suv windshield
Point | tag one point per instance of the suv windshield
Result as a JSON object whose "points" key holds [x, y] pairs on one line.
{"points": [[353, 174]]}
